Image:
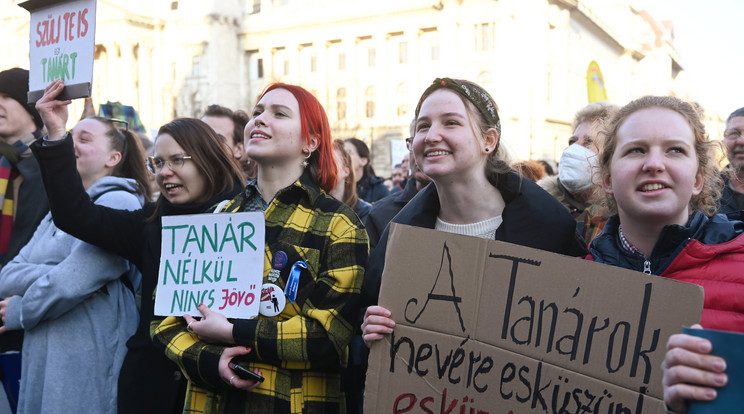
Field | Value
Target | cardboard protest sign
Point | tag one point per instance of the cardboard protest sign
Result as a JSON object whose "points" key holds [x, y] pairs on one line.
{"points": [[62, 44], [214, 259], [485, 326]]}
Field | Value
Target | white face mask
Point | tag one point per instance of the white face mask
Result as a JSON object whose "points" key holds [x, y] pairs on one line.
{"points": [[576, 168]]}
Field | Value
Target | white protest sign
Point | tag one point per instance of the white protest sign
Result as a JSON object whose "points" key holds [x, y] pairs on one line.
{"points": [[62, 44], [214, 259]]}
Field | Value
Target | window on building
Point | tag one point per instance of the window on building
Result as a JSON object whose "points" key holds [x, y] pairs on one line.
{"points": [[484, 37], [369, 102], [196, 66], [286, 67], [313, 63], [341, 104], [371, 57], [401, 98], [434, 46], [342, 61], [403, 52], [174, 5], [485, 79], [256, 6], [259, 68]]}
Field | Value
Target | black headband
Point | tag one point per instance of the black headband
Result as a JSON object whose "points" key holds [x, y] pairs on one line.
{"points": [[473, 93]]}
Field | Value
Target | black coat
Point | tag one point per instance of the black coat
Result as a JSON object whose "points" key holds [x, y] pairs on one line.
{"points": [[371, 189], [149, 382], [385, 209], [728, 203], [532, 218], [33, 206]]}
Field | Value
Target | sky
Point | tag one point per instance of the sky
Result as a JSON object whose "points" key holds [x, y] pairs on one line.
{"points": [[709, 38]]}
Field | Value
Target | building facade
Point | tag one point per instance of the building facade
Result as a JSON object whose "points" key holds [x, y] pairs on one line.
{"points": [[368, 62]]}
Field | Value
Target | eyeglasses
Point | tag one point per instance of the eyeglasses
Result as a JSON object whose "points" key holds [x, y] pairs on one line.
{"points": [[732, 134], [155, 165], [120, 122]]}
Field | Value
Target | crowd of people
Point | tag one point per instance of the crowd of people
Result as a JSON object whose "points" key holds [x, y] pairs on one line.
{"points": [[637, 187]]}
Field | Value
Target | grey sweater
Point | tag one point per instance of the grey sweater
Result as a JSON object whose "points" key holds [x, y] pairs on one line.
{"points": [[76, 312]]}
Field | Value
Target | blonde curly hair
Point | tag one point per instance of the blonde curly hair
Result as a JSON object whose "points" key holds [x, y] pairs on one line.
{"points": [[705, 150]]}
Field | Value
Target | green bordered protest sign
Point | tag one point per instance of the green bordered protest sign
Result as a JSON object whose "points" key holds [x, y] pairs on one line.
{"points": [[214, 259]]}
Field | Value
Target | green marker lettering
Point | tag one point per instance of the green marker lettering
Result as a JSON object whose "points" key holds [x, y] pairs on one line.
{"points": [[173, 235], [247, 239]]}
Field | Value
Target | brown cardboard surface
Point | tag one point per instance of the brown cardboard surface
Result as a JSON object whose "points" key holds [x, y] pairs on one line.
{"points": [[591, 337], [432, 372]]}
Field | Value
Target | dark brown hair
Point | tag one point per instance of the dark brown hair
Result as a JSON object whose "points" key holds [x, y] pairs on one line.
{"points": [[238, 117], [212, 157], [363, 151]]}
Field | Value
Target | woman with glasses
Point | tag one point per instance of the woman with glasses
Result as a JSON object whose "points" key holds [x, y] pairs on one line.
{"points": [[312, 239], [732, 197], [75, 301], [475, 193], [194, 171]]}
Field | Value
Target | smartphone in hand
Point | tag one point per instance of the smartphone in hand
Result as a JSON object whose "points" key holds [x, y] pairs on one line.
{"points": [[244, 373]]}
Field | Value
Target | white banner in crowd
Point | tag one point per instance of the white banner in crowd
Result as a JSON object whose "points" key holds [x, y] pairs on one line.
{"points": [[62, 44], [214, 259]]}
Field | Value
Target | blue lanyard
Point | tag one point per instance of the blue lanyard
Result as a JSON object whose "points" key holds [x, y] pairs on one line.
{"points": [[294, 280]]}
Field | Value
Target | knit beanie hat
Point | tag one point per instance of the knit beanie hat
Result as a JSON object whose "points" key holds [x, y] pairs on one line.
{"points": [[14, 83]]}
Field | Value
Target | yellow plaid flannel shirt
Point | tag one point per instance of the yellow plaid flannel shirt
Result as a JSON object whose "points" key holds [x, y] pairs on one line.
{"points": [[300, 351]]}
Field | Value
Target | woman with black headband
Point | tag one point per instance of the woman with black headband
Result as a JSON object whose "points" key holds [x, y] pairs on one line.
{"points": [[475, 192]]}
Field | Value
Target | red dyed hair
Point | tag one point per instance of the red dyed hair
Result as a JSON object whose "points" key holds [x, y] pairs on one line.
{"points": [[314, 122]]}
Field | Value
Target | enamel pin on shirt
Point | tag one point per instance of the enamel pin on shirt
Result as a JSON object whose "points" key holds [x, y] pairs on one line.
{"points": [[272, 300], [279, 262], [294, 280]]}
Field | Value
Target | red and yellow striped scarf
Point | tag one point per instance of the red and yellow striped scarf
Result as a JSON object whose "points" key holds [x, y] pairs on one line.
{"points": [[11, 154]]}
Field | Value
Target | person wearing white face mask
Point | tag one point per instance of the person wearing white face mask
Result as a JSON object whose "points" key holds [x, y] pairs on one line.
{"points": [[574, 186], [576, 169]]}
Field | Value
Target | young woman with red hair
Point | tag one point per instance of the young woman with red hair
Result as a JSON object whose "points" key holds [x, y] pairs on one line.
{"points": [[195, 172], [300, 349]]}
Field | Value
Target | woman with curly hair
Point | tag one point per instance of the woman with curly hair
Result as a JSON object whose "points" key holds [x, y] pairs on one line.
{"points": [[661, 183]]}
